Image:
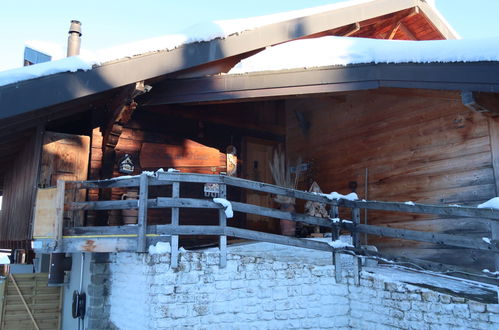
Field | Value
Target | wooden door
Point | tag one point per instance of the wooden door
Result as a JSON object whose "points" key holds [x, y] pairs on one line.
{"points": [[65, 157], [258, 154]]}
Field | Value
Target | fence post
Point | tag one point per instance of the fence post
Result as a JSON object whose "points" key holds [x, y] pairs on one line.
{"points": [[494, 229], [334, 213], [223, 223], [59, 221], [142, 221], [175, 222], [356, 222]]}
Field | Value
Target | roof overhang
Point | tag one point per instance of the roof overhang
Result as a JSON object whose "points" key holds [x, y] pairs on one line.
{"points": [[476, 76], [35, 94]]}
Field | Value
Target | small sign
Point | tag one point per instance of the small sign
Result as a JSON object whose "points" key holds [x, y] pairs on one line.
{"points": [[211, 189], [126, 165]]}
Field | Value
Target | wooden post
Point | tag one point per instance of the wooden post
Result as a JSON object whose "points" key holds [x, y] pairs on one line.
{"points": [[337, 267], [142, 221], [334, 213], [59, 211], [223, 223], [356, 222], [175, 222]]}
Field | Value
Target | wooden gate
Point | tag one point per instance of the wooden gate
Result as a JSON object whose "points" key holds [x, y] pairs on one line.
{"points": [[43, 302]]}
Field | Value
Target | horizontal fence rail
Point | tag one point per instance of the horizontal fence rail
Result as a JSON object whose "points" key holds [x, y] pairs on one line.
{"points": [[144, 234]]}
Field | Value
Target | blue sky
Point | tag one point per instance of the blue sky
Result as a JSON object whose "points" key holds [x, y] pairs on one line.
{"points": [[111, 22]]}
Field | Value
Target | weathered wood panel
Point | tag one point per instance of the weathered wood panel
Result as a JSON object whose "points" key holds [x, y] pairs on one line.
{"points": [[65, 157], [188, 154], [43, 301], [18, 191], [423, 148]]}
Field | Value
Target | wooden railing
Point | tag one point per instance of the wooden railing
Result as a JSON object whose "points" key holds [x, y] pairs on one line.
{"points": [[138, 238]]}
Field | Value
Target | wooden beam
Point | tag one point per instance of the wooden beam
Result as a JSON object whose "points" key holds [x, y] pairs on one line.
{"points": [[429, 237], [355, 28], [142, 216], [405, 30], [59, 221], [175, 222], [394, 31], [222, 222]]}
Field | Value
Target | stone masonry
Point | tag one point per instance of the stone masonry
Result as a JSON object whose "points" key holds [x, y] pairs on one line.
{"points": [[140, 291]]}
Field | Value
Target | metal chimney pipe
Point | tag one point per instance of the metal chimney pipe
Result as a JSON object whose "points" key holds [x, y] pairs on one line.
{"points": [[74, 40]]}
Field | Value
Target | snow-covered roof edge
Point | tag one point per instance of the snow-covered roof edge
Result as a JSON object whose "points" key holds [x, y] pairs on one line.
{"points": [[198, 33], [329, 51]]}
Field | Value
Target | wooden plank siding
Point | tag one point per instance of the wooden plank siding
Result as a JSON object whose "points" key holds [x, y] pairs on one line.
{"points": [[18, 192], [418, 147]]}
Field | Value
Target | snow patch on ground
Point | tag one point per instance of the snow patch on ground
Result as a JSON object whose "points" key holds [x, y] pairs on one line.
{"points": [[227, 206], [492, 203], [330, 51]]}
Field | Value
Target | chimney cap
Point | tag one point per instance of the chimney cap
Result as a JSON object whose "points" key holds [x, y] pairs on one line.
{"points": [[75, 27]]}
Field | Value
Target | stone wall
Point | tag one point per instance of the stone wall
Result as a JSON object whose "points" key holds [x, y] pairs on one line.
{"points": [[263, 293]]}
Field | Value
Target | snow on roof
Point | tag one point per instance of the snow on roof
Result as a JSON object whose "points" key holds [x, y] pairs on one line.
{"points": [[201, 32], [329, 51], [197, 33]]}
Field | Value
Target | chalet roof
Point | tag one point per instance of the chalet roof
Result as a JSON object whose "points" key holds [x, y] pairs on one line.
{"points": [[214, 51]]}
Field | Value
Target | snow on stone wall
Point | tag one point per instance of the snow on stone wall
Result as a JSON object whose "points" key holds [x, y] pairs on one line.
{"points": [[262, 293]]}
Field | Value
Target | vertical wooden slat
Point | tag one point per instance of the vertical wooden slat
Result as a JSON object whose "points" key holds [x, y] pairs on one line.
{"points": [[334, 213], [337, 266], [356, 222], [40, 130], [142, 221], [494, 148], [175, 222], [2, 304], [223, 223], [59, 221]]}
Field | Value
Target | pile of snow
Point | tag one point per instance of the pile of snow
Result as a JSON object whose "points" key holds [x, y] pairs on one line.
{"points": [[160, 248], [330, 51], [335, 195], [490, 204], [227, 206]]}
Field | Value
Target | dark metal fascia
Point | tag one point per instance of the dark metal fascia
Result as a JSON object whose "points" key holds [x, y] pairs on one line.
{"points": [[478, 76]]}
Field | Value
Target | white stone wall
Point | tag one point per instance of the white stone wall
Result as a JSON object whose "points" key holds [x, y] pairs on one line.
{"points": [[261, 293]]}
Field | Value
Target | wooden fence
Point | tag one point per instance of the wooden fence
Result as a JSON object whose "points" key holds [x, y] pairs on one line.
{"points": [[138, 238]]}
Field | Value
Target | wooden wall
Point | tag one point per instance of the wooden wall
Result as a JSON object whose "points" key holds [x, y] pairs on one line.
{"points": [[190, 139], [420, 146], [18, 192]]}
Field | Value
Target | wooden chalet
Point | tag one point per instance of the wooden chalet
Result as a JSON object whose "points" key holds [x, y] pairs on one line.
{"points": [[391, 132]]}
